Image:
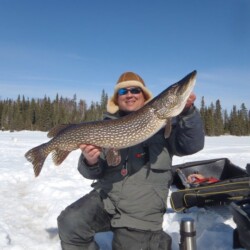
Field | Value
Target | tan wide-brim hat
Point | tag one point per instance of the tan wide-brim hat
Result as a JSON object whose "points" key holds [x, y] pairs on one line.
{"points": [[127, 79]]}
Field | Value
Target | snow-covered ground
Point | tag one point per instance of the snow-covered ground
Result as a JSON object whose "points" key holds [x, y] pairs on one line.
{"points": [[30, 206]]}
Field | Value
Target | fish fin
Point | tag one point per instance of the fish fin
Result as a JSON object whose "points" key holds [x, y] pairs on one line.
{"points": [[113, 157], [168, 128], [37, 157], [58, 129], [58, 156]]}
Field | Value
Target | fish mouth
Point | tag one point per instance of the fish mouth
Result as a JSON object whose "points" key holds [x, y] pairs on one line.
{"points": [[186, 85]]}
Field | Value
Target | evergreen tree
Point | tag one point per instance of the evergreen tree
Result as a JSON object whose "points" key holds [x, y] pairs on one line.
{"points": [[209, 120], [1, 112], [25, 110], [45, 119], [56, 111], [226, 122], [203, 110], [16, 119], [33, 114], [243, 119], [218, 120], [6, 115], [104, 100], [73, 110], [81, 110], [234, 122], [248, 131]]}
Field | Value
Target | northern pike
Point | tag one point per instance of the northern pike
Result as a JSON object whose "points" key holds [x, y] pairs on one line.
{"points": [[123, 132]]}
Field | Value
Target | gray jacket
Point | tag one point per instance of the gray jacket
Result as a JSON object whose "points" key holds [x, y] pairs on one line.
{"points": [[138, 199]]}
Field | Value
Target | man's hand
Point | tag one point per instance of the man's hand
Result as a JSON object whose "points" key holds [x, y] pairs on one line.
{"points": [[91, 153], [191, 99]]}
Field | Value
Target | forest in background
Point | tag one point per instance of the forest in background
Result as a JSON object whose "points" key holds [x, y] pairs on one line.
{"points": [[43, 114]]}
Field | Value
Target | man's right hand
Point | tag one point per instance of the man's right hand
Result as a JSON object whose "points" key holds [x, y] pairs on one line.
{"points": [[91, 153]]}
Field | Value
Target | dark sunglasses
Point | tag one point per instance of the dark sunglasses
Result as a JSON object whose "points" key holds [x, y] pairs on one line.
{"points": [[124, 91]]}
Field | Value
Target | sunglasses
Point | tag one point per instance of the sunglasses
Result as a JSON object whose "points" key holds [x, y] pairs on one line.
{"points": [[124, 91]]}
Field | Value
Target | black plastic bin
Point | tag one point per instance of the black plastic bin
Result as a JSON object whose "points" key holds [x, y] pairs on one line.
{"points": [[241, 216], [233, 184]]}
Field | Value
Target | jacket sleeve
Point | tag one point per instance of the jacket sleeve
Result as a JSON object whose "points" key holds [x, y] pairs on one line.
{"points": [[91, 172], [187, 135]]}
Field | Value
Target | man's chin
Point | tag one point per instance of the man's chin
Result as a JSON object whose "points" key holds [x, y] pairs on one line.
{"points": [[131, 109]]}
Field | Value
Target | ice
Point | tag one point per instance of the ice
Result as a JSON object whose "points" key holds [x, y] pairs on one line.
{"points": [[30, 206]]}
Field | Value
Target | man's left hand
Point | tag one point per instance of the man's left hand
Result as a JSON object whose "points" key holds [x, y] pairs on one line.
{"points": [[190, 101]]}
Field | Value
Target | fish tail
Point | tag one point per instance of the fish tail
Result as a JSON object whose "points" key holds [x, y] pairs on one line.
{"points": [[37, 157], [58, 156]]}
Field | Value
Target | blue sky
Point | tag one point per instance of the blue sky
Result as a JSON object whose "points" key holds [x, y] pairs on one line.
{"points": [[83, 46]]}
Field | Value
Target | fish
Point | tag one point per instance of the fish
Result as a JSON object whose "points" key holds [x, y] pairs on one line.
{"points": [[123, 132]]}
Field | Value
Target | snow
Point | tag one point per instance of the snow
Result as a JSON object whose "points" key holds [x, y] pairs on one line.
{"points": [[30, 206]]}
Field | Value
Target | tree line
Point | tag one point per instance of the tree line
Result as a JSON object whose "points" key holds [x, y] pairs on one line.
{"points": [[43, 114], [219, 122]]}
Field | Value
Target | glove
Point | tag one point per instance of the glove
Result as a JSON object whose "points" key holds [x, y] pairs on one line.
{"points": [[190, 101]]}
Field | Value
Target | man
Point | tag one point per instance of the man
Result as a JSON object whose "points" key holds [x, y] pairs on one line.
{"points": [[130, 198]]}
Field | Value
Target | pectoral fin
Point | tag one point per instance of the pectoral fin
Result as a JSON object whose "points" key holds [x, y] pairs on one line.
{"points": [[113, 157], [168, 128]]}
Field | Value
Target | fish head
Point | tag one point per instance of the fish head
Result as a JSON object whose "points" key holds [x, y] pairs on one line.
{"points": [[172, 101], [184, 87]]}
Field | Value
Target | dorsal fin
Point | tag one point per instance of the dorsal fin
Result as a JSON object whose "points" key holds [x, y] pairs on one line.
{"points": [[57, 129]]}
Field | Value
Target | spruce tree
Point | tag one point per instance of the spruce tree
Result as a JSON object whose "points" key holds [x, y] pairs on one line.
{"points": [[234, 122], [243, 119], [218, 120]]}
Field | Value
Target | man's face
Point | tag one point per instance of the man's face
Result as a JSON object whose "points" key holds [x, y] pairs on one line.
{"points": [[128, 101]]}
